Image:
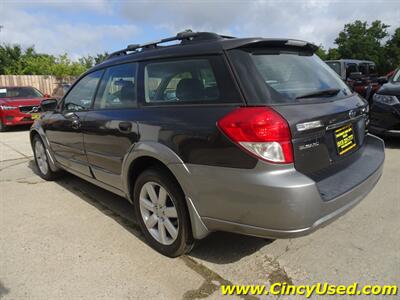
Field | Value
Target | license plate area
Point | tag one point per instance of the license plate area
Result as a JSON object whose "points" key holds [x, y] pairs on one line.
{"points": [[345, 140], [35, 116]]}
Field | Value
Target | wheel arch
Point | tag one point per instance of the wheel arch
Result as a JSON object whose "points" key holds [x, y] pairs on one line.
{"points": [[145, 155], [38, 131]]}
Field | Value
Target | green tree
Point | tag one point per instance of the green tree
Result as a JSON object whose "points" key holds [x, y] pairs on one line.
{"points": [[359, 40], [86, 61], [99, 58], [33, 63], [333, 54], [392, 50], [16, 61], [321, 53], [10, 59], [64, 67]]}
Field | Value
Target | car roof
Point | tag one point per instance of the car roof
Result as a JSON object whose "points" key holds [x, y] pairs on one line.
{"points": [[199, 43]]}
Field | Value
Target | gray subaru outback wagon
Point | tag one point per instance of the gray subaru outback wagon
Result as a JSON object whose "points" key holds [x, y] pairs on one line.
{"points": [[213, 133]]}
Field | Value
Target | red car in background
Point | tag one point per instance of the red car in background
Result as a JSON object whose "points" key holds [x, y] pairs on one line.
{"points": [[19, 105]]}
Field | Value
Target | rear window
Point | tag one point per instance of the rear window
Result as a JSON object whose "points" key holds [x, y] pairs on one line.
{"points": [[20, 92], [192, 80], [281, 76]]}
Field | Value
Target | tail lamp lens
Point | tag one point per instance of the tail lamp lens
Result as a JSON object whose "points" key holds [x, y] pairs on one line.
{"points": [[261, 131]]}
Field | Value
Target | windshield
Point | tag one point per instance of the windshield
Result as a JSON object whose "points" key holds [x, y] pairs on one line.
{"points": [[19, 92], [295, 75], [396, 76]]}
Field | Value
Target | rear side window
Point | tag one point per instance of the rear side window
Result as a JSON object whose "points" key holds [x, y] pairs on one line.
{"points": [[192, 80], [117, 88]]}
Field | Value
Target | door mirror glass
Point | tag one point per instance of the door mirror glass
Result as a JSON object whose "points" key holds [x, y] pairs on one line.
{"points": [[48, 105]]}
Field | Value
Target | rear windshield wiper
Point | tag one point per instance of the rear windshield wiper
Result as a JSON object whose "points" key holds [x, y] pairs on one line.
{"points": [[327, 92]]}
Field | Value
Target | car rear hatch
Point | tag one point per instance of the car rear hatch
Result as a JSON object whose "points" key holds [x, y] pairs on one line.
{"points": [[328, 129], [326, 137]]}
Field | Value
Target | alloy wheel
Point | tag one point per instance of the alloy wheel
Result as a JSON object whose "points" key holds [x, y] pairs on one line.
{"points": [[159, 213], [41, 158]]}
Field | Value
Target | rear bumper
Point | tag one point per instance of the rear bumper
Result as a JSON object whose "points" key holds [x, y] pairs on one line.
{"points": [[277, 201]]}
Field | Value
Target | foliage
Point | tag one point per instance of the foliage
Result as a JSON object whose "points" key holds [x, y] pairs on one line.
{"points": [[358, 40], [321, 52], [16, 61], [392, 50]]}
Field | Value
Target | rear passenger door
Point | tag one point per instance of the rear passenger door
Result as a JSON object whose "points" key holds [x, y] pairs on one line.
{"points": [[181, 100], [110, 128]]}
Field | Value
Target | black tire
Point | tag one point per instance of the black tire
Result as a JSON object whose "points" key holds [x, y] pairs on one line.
{"points": [[2, 126], [184, 241], [48, 174]]}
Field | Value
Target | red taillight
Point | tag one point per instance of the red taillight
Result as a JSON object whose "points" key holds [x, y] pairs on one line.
{"points": [[261, 131]]}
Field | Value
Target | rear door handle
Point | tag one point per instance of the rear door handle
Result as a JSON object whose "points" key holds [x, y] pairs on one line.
{"points": [[125, 126]]}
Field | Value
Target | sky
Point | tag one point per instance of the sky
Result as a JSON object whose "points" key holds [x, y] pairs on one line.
{"points": [[87, 27]]}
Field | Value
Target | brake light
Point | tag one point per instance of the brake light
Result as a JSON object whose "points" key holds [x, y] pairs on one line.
{"points": [[261, 131]]}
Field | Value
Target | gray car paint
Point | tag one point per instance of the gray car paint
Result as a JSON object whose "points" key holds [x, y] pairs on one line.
{"points": [[268, 201]]}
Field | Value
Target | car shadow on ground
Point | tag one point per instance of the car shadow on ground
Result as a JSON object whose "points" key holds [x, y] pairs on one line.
{"points": [[17, 128], [3, 290], [218, 247], [392, 142]]}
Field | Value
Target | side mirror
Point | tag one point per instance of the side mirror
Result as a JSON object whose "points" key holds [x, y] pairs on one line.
{"points": [[382, 80], [355, 75], [48, 105], [46, 96]]}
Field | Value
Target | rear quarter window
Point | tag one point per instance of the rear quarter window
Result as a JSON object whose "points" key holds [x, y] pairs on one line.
{"points": [[203, 80]]}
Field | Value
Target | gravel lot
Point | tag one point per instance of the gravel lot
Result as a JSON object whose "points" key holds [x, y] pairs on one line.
{"points": [[72, 240]]}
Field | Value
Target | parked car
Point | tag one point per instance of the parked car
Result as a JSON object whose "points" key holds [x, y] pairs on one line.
{"points": [[385, 108], [248, 135], [19, 105], [358, 74]]}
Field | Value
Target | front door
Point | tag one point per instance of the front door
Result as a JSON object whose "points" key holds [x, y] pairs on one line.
{"points": [[64, 129], [110, 129]]}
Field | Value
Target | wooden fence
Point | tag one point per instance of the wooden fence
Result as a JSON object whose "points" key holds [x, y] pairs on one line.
{"points": [[44, 83]]}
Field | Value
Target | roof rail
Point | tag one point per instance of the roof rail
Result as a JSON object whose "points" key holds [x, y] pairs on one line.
{"points": [[184, 37]]}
